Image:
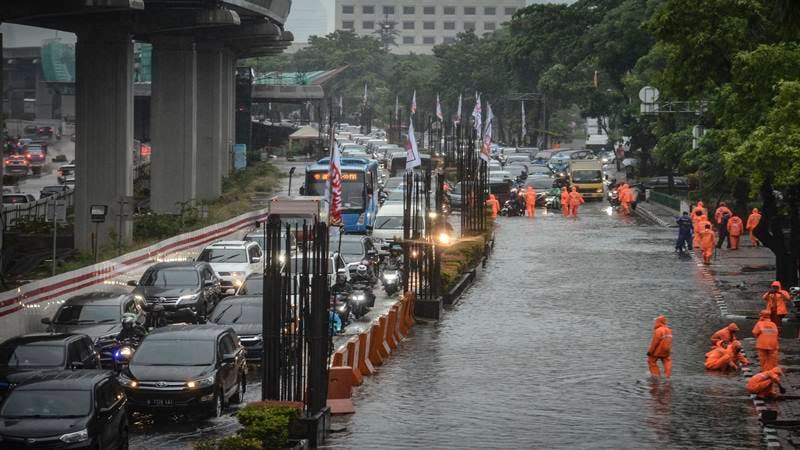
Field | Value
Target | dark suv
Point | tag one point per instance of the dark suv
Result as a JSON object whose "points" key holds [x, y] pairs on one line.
{"points": [[69, 409], [186, 367], [244, 314], [179, 287], [23, 356]]}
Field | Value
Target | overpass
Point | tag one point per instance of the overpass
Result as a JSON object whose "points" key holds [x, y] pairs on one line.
{"points": [[195, 47]]}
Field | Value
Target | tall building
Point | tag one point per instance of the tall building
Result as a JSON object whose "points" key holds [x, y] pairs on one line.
{"points": [[421, 24], [310, 18]]}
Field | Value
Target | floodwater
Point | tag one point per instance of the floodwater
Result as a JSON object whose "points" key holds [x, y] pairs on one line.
{"points": [[547, 350]]}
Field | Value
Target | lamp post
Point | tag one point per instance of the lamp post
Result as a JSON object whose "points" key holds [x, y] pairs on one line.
{"points": [[291, 173]]}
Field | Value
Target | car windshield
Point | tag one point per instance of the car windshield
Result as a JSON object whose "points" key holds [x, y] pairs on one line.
{"points": [[171, 352], [389, 223], [15, 199], [223, 255], [238, 313], [171, 277], [47, 403], [35, 151], [32, 355], [71, 314], [539, 169], [587, 176], [351, 249], [540, 183]]}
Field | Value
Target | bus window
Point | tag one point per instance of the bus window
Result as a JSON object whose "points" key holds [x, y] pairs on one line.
{"points": [[353, 189]]}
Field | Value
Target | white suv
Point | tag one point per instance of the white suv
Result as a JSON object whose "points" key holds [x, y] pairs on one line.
{"points": [[233, 261]]}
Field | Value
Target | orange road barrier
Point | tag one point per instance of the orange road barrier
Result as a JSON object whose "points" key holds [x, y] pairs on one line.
{"points": [[412, 299], [364, 364], [338, 358], [375, 343], [401, 318], [390, 328], [353, 361], [383, 347], [398, 333], [340, 389]]}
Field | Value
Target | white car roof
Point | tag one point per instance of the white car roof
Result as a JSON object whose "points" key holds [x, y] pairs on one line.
{"points": [[226, 244]]}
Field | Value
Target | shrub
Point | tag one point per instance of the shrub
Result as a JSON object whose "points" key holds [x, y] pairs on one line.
{"points": [[230, 443], [268, 422]]}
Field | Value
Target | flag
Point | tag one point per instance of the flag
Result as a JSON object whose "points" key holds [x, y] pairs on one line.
{"points": [[414, 103], [365, 93], [439, 114], [524, 126], [412, 153], [458, 111], [476, 114], [334, 187], [341, 106], [486, 148]]}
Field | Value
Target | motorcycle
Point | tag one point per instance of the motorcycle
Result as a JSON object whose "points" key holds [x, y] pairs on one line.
{"points": [[391, 280], [613, 197], [116, 354], [341, 306], [512, 209], [359, 302]]}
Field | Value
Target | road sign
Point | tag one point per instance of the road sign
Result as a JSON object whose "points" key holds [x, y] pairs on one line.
{"points": [[98, 213], [57, 211], [648, 94]]}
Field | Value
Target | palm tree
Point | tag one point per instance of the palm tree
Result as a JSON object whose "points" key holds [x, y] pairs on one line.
{"points": [[387, 33]]}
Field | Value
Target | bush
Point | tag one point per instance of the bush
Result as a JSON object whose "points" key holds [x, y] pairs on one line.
{"points": [[230, 443], [268, 422]]}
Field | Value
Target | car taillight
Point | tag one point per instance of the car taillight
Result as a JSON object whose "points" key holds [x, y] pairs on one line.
{"points": [[28, 156]]}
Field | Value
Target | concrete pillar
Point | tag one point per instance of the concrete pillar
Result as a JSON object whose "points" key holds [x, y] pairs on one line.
{"points": [[173, 124], [210, 112], [104, 135], [229, 110]]}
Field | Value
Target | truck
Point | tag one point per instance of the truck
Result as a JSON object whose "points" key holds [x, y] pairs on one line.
{"points": [[296, 211], [587, 176]]}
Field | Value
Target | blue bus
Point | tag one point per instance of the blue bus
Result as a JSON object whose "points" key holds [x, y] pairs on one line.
{"points": [[359, 190]]}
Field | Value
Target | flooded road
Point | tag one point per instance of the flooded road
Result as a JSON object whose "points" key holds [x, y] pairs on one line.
{"points": [[547, 350]]}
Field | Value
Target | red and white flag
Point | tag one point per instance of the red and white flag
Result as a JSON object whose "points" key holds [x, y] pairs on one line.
{"points": [[335, 188], [412, 153], [439, 114], [414, 103], [486, 148], [477, 117]]}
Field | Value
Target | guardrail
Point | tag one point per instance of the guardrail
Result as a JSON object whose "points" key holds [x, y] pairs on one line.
{"points": [[19, 212], [665, 199]]}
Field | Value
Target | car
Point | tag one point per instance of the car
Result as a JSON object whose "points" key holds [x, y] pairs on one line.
{"points": [[83, 409], [23, 356], [45, 131], [530, 151], [65, 171], [542, 185], [257, 236], [500, 175], [243, 313], [393, 183], [14, 199], [183, 288], [354, 248], [98, 314], [456, 197], [188, 368], [662, 182], [36, 157], [521, 158], [16, 165], [30, 130], [253, 285], [233, 261], [335, 264], [539, 170], [55, 189], [11, 189], [389, 222]]}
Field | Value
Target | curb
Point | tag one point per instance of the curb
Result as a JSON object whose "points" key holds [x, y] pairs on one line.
{"points": [[360, 356], [643, 212]]}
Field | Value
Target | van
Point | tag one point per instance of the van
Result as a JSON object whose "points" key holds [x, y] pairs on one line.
{"points": [[389, 222]]}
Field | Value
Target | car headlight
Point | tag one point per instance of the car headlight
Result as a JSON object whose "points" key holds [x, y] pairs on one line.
{"points": [[125, 352], [139, 297], [78, 436], [127, 382], [237, 274], [201, 383], [282, 258], [600, 190], [187, 298]]}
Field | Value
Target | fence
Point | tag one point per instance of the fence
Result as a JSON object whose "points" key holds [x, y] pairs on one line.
{"points": [[666, 200], [26, 212]]}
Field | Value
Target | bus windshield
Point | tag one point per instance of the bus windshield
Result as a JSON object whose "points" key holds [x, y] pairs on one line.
{"points": [[353, 189]]}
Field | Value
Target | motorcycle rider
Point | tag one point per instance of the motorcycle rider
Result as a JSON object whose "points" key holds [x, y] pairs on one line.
{"points": [[684, 232], [131, 330]]}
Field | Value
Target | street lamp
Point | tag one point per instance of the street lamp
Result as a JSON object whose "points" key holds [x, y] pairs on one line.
{"points": [[291, 173]]}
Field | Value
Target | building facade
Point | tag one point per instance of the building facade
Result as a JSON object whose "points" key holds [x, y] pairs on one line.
{"points": [[422, 24]]}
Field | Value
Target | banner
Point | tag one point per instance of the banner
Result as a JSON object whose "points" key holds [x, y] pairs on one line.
{"points": [[486, 148], [412, 153]]}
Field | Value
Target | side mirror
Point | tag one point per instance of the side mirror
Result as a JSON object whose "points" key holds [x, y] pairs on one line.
{"points": [[132, 283], [255, 259], [76, 365], [46, 320], [229, 358], [342, 271]]}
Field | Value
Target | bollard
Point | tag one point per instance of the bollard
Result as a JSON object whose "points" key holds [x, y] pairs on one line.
{"points": [[352, 361], [340, 389], [375, 342], [364, 364], [390, 328]]}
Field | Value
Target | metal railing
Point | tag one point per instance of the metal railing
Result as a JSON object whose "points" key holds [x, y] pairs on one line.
{"points": [[25, 212], [665, 199]]}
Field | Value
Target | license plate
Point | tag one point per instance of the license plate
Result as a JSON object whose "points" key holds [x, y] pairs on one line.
{"points": [[160, 402]]}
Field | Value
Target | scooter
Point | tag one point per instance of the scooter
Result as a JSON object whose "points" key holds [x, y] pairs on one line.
{"points": [[358, 302], [510, 209], [341, 306], [613, 197], [391, 280]]}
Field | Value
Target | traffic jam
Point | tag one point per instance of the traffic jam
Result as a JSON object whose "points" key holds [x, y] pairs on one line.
{"points": [[183, 337]]}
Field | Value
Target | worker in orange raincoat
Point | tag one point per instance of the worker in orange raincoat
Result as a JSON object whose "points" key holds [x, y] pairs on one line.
{"points": [[735, 230], [494, 204], [725, 335], [624, 196], [766, 384], [752, 223], [766, 334], [726, 358], [530, 201], [660, 348], [776, 299], [722, 209], [699, 222], [699, 207], [707, 240], [565, 206], [575, 201]]}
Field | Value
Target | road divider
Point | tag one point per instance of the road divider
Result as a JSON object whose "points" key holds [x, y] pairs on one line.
{"points": [[359, 356]]}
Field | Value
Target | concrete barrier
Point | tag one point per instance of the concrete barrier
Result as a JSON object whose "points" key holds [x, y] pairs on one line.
{"points": [[364, 363], [340, 390], [21, 309], [353, 361]]}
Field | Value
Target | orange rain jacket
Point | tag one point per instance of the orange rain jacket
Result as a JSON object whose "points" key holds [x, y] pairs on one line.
{"points": [[564, 198], [726, 334], [777, 300], [735, 226], [753, 219], [763, 384], [494, 204], [721, 211], [766, 333], [530, 197], [721, 358], [661, 343], [575, 197], [707, 238]]}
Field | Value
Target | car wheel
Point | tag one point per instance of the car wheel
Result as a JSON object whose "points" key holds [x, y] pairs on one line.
{"points": [[238, 396], [123, 439], [219, 404]]}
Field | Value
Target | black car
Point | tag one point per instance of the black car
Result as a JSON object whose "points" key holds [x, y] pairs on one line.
{"points": [[180, 287], [24, 356], [243, 313], [355, 249], [47, 191], [252, 285], [186, 367], [65, 409], [99, 316]]}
